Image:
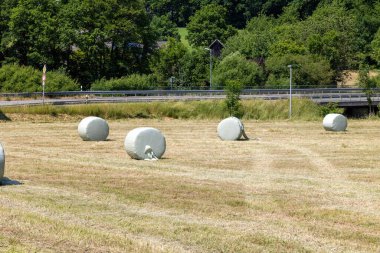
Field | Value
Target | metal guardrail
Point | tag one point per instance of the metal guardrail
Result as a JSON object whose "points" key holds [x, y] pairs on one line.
{"points": [[342, 96], [187, 92]]}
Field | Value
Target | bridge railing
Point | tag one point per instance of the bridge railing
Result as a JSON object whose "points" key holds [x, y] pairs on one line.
{"points": [[331, 91], [318, 95]]}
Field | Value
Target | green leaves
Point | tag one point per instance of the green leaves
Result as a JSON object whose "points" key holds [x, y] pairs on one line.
{"points": [[166, 64], [309, 71], [14, 78], [235, 67], [209, 24], [375, 46], [112, 37], [232, 101]]}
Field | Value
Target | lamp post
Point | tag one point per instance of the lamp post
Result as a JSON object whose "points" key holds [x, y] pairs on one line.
{"points": [[171, 82], [209, 49], [290, 92]]}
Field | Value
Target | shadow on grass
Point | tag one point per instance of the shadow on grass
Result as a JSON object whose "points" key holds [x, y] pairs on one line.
{"points": [[4, 117], [7, 182]]}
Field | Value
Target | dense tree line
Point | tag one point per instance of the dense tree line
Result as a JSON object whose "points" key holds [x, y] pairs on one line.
{"points": [[90, 39], [114, 44]]}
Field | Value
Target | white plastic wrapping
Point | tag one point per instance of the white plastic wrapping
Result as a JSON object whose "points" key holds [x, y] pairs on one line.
{"points": [[93, 129], [145, 143], [335, 122], [231, 129], [2, 162]]}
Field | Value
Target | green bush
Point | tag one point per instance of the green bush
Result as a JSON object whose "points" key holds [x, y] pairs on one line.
{"points": [[132, 82], [59, 81], [308, 71], [233, 105], [235, 67], [330, 108], [14, 78]]}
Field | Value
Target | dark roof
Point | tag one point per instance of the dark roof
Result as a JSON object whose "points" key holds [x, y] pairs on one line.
{"points": [[216, 43]]}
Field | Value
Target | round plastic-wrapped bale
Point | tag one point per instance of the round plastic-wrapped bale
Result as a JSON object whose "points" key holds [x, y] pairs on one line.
{"points": [[231, 129], [335, 122], [2, 162], [145, 143], [93, 129]]}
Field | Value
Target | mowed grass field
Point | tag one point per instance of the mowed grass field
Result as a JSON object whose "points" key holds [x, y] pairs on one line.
{"points": [[292, 188]]}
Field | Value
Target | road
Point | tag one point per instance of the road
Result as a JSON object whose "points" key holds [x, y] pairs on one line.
{"points": [[345, 97]]}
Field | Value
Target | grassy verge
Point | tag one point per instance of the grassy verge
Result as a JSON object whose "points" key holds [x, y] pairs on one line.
{"points": [[253, 109], [183, 33]]}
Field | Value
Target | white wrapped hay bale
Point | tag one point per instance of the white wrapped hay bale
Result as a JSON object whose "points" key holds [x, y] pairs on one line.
{"points": [[231, 129], [335, 122], [93, 129], [2, 162], [145, 143]]}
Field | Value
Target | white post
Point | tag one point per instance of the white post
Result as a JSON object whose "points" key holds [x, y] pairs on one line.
{"points": [[290, 92], [43, 92], [171, 82], [210, 69], [43, 84]]}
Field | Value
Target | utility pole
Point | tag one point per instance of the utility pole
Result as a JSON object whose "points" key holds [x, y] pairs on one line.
{"points": [[209, 49]]}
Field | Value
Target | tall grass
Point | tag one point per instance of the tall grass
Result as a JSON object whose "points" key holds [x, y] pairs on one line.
{"points": [[253, 109]]}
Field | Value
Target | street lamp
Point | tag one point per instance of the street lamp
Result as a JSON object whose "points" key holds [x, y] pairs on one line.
{"points": [[171, 82], [208, 49], [290, 92]]}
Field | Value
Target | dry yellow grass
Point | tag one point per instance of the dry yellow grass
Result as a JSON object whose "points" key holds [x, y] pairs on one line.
{"points": [[292, 188], [351, 78]]}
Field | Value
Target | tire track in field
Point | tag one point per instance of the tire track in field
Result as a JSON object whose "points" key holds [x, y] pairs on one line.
{"points": [[283, 229]]}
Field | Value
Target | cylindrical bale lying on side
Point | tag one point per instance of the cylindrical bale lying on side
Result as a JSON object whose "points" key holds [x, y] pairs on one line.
{"points": [[231, 129], [145, 143], [335, 122], [2, 162], [93, 129]]}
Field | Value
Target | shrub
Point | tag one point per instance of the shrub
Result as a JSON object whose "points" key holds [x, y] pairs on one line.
{"points": [[132, 82], [236, 67], [233, 90], [308, 71], [330, 108], [14, 78]]}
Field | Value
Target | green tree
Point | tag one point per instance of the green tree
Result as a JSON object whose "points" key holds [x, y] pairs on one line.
{"points": [[375, 46], [164, 28], [5, 12], [208, 24], [178, 11], [239, 12], [332, 32], [309, 71], [366, 14], [254, 41], [232, 102], [31, 37], [107, 38], [235, 67], [285, 47], [367, 84], [194, 68], [167, 63]]}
